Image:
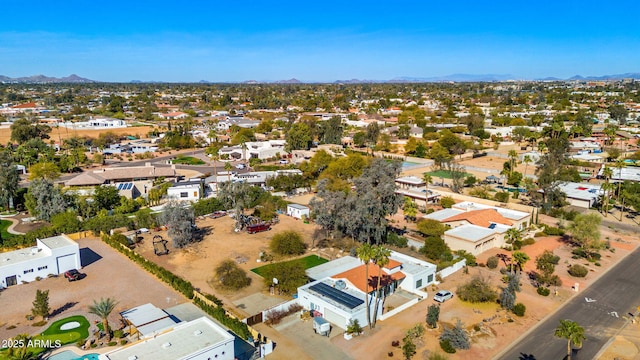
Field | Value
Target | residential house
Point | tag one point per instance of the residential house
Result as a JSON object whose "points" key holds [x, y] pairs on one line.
{"points": [[53, 255], [176, 115], [297, 211], [186, 191], [477, 227], [415, 188], [581, 194]]}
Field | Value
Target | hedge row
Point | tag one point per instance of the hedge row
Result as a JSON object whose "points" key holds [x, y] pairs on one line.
{"points": [[185, 287], [218, 312]]}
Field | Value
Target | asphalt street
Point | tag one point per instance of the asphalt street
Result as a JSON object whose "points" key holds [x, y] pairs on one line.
{"points": [[601, 310]]}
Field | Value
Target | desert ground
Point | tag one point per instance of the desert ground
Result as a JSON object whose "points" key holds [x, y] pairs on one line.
{"points": [[62, 133]]}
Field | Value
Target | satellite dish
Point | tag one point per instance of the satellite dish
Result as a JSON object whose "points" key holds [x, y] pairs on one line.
{"points": [[275, 281]]}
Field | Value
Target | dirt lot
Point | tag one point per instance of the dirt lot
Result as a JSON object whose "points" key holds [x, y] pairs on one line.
{"points": [[63, 133], [109, 274], [197, 262], [496, 332]]}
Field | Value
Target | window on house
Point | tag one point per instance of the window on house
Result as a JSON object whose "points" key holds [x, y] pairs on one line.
{"points": [[184, 194], [28, 271], [430, 278], [42, 267], [419, 284]]}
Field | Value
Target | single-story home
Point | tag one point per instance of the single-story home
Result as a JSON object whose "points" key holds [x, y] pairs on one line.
{"points": [[54, 255], [340, 289], [297, 211], [147, 319], [581, 194], [186, 191]]}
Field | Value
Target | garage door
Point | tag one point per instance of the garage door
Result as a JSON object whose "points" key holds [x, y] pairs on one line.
{"points": [[335, 319], [66, 262]]}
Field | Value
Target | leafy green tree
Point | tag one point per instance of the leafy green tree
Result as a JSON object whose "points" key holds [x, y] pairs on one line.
{"points": [[331, 130], [430, 227], [299, 137], [477, 290], [447, 202], [287, 243], [103, 309], [409, 208], [231, 276], [179, 220], [106, 197], [41, 304], [408, 348], [433, 315], [66, 222], [9, 180], [618, 113], [572, 332], [436, 249], [23, 130], [585, 231], [45, 170], [43, 200]]}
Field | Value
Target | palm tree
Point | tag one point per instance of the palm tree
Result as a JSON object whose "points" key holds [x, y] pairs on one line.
{"points": [[520, 258], [619, 164], [227, 167], [103, 309], [571, 331], [526, 160], [365, 253], [606, 187], [427, 180], [542, 147], [381, 258], [513, 155], [512, 235]]}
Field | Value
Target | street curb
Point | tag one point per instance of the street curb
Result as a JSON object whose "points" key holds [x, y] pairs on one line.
{"points": [[531, 329]]}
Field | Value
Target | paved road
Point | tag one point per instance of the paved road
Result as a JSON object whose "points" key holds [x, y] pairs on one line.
{"points": [[599, 309]]}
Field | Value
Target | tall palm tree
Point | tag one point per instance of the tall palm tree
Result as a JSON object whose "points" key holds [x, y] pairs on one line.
{"points": [[571, 331], [381, 258], [103, 309], [607, 173], [513, 155], [227, 167], [526, 160], [619, 164], [366, 253], [512, 235], [427, 180]]}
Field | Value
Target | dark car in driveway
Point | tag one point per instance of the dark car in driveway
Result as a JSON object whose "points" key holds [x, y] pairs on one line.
{"points": [[252, 229], [73, 275]]}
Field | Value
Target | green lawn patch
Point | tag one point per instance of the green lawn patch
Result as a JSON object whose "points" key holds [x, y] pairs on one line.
{"points": [[446, 174], [187, 160], [307, 261], [55, 336], [4, 225]]}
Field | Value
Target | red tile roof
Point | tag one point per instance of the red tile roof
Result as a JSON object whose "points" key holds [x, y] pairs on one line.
{"points": [[28, 105], [482, 217], [356, 276]]}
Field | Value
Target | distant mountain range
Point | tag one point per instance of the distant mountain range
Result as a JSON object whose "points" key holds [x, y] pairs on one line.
{"points": [[42, 79], [73, 78]]}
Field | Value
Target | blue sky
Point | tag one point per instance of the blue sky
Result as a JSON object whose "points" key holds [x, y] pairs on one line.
{"points": [[316, 41]]}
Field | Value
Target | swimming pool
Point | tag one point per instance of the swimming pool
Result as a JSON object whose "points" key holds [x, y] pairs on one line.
{"points": [[70, 355], [408, 164]]}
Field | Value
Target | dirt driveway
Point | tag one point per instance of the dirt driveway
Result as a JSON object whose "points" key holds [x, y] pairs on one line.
{"points": [[197, 262], [109, 274]]}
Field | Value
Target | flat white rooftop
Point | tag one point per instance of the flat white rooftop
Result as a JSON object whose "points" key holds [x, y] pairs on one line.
{"points": [[333, 267], [58, 241], [507, 213], [177, 343], [21, 255], [470, 232]]}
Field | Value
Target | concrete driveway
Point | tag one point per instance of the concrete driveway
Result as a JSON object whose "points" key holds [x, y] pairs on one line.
{"points": [[109, 274], [317, 346]]}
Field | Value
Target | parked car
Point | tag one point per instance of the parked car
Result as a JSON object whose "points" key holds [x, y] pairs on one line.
{"points": [[442, 296], [73, 275], [252, 229], [284, 162], [241, 166], [218, 214]]}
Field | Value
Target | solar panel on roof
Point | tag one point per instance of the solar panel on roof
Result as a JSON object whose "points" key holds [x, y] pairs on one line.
{"points": [[334, 294]]}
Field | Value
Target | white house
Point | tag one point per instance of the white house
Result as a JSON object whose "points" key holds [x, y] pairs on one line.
{"points": [[339, 292], [581, 194], [297, 211], [54, 255], [199, 339], [185, 191], [477, 227]]}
